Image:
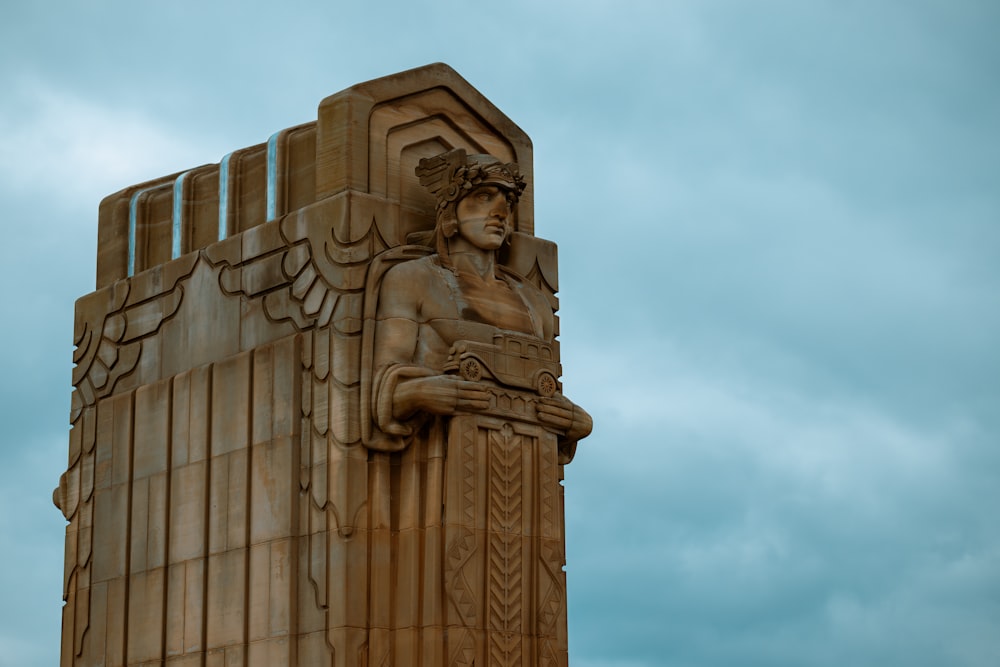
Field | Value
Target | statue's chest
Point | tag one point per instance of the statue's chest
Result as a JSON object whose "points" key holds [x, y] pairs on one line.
{"points": [[494, 303], [464, 308]]}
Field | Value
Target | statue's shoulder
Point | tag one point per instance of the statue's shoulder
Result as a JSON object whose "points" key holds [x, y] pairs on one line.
{"points": [[409, 269], [406, 279]]}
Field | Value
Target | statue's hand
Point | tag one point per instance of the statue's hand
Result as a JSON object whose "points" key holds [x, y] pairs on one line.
{"points": [[439, 395], [564, 415]]}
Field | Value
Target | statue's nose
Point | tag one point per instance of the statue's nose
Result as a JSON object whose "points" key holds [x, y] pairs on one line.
{"points": [[501, 208]]}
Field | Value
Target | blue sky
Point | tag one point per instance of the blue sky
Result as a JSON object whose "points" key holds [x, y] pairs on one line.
{"points": [[779, 232]]}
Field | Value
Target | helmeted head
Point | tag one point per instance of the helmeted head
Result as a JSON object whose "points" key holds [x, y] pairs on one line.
{"points": [[453, 175]]}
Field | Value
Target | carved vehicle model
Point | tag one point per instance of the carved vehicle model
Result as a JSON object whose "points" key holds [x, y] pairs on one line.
{"points": [[512, 360]]}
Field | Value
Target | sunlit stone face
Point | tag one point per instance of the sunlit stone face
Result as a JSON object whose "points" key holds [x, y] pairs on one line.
{"points": [[482, 217]]}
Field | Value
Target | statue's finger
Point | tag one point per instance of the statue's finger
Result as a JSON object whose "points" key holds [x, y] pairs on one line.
{"points": [[472, 403], [555, 411], [474, 394]]}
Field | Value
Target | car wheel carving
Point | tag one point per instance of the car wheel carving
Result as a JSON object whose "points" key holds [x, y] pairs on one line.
{"points": [[547, 385], [471, 370]]}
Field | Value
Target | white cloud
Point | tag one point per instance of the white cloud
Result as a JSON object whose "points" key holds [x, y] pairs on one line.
{"points": [[59, 145], [785, 423]]}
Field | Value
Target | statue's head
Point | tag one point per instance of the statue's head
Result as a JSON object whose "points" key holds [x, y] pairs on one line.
{"points": [[454, 175]]}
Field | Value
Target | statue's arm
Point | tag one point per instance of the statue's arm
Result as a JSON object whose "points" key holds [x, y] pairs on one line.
{"points": [[573, 422], [404, 388]]}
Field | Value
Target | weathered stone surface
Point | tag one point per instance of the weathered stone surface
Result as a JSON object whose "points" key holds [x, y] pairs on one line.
{"points": [[316, 412]]}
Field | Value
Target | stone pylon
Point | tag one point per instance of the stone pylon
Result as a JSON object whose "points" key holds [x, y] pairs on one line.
{"points": [[224, 505]]}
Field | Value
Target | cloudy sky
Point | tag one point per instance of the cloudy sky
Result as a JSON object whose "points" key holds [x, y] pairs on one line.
{"points": [[779, 231]]}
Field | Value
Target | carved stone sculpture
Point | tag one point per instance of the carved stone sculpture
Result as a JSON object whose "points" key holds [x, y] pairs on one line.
{"points": [[317, 416]]}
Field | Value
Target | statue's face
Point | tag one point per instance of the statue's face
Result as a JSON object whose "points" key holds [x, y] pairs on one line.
{"points": [[482, 217]]}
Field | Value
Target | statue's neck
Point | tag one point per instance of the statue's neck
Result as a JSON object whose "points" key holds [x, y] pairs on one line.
{"points": [[468, 258]]}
